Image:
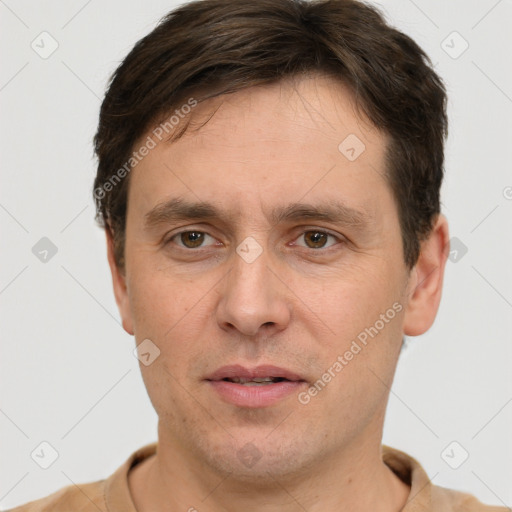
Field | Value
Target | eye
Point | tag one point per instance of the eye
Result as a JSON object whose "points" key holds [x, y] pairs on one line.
{"points": [[316, 239], [190, 239]]}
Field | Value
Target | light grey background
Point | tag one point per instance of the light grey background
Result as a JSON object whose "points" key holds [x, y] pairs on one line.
{"points": [[67, 371]]}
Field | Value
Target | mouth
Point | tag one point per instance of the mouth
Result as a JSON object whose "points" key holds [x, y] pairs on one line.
{"points": [[257, 387], [256, 381]]}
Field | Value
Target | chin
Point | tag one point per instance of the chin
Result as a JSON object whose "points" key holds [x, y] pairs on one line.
{"points": [[261, 460]]}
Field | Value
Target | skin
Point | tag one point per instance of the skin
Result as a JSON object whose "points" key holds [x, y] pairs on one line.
{"points": [[297, 305]]}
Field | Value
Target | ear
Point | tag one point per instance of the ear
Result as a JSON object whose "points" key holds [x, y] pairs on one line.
{"points": [[119, 284], [426, 280]]}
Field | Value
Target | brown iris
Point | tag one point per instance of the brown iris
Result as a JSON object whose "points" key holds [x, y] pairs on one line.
{"points": [[318, 239], [192, 239]]}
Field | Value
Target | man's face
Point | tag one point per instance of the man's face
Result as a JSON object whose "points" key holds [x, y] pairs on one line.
{"points": [[253, 288]]}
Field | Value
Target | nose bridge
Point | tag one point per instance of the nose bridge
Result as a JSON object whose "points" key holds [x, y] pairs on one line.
{"points": [[250, 258], [251, 295], [249, 278]]}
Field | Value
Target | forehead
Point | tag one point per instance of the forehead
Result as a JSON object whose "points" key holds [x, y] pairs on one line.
{"points": [[293, 109], [292, 138]]}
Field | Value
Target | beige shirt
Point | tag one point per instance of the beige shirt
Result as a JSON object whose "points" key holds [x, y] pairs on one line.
{"points": [[113, 493]]}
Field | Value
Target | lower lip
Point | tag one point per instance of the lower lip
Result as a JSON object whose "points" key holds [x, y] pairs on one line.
{"points": [[255, 396]]}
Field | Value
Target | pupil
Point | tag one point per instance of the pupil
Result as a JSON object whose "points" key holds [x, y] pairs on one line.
{"points": [[318, 239], [192, 238]]}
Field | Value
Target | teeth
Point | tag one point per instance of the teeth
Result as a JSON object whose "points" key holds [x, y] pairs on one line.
{"points": [[251, 382]]}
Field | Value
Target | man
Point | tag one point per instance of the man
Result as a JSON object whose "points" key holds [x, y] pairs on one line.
{"points": [[268, 179]]}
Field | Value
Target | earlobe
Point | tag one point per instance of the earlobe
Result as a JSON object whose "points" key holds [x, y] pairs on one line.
{"points": [[119, 285], [426, 280]]}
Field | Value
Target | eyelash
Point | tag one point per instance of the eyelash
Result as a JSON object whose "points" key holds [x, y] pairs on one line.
{"points": [[309, 230]]}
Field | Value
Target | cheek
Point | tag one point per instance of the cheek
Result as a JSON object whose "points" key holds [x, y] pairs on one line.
{"points": [[353, 298], [162, 305], [175, 313], [168, 313], [358, 367], [365, 316], [168, 397]]}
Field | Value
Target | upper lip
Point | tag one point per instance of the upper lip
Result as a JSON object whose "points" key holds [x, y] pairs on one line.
{"points": [[239, 371]]}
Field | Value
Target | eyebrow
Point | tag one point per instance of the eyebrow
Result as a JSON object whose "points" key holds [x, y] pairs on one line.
{"points": [[177, 209]]}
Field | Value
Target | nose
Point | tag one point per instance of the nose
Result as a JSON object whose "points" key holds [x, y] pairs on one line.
{"points": [[253, 299]]}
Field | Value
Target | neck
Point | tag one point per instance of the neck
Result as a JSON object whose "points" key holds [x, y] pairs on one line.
{"points": [[353, 479]]}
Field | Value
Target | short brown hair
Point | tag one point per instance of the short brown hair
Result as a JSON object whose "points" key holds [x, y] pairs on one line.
{"points": [[223, 46]]}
